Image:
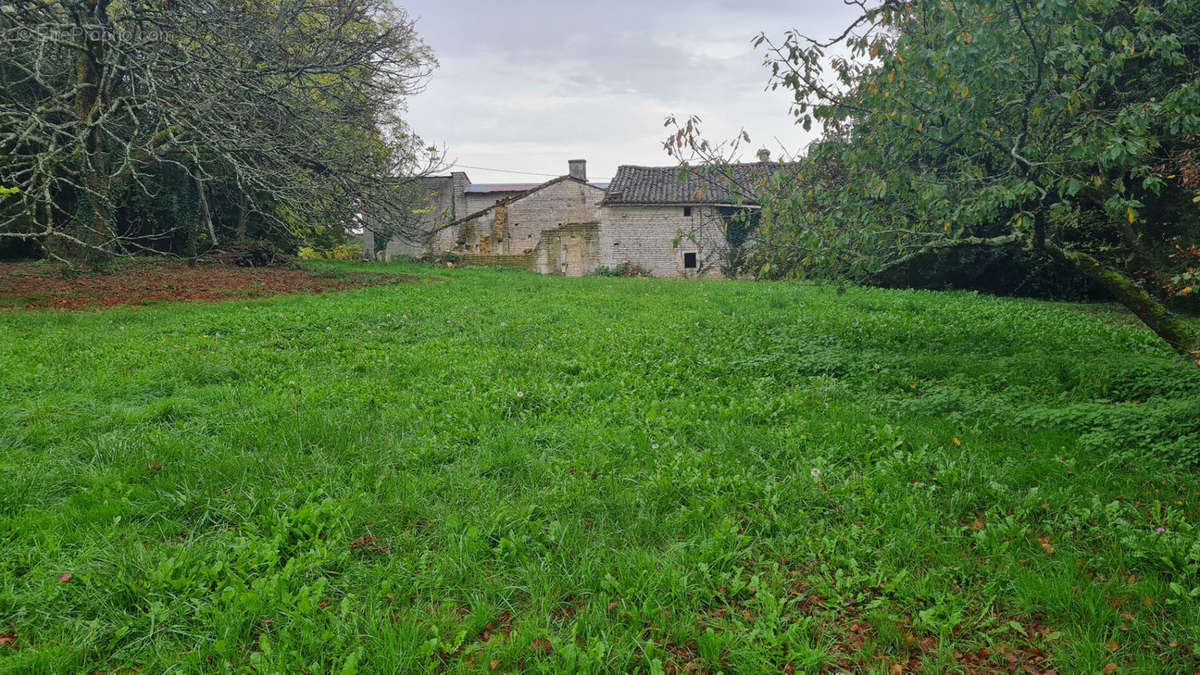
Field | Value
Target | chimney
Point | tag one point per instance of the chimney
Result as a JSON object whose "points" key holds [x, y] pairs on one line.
{"points": [[458, 196], [764, 155], [577, 168]]}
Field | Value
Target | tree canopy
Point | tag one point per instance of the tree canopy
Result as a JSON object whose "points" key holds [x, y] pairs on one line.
{"points": [[129, 125], [1069, 128]]}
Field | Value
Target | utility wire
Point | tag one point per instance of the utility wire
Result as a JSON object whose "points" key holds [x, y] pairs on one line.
{"points": [[524, 173]]}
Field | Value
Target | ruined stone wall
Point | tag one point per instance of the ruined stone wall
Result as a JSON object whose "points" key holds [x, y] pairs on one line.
{"points": [[444, 203], [478, 201], [516, 228], [645, 236], [564, 202], [569, 250], [525, 262]]}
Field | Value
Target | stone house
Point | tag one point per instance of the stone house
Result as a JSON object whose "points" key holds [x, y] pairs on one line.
{"points": [[667, 222], [672, 222]]}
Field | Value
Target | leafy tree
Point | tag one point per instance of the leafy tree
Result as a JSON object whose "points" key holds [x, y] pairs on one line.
{"points": [[1062, 126], [278, 115]]}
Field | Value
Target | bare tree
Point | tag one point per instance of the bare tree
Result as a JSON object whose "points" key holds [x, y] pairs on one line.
{"points": [[289, 103]]}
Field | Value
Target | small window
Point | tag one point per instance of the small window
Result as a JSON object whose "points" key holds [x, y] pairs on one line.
{"points": [[689, 261], [687, 212]]}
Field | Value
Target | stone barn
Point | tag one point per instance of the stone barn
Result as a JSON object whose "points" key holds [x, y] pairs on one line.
{"points": [[549, 228], [672, 222], [667, 222]]}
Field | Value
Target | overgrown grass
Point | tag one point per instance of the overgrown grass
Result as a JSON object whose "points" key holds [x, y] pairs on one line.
{"points": [[502, 471]]}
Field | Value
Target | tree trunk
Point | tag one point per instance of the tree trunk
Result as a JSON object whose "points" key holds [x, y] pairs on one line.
{"points": [[204, 210], [243, 214], [1173, 330]]}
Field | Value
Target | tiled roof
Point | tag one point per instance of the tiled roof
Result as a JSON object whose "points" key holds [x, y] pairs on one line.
{"points": [[729, 184]]}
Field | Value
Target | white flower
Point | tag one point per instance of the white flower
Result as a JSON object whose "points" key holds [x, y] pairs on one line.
{"points": [[328, 328], [815, 473], [654, 446], [520, 394]]}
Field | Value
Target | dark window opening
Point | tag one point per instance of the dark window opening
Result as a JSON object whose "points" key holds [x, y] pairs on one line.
{"points": [[689, 261], [687, 212]]}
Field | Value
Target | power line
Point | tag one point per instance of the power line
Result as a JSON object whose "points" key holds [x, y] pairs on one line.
{"points": [[484, 168], [523, 173]]}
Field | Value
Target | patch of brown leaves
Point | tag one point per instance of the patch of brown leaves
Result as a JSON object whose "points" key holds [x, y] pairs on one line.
{"points": [[684, 658], [369, 544], [502, 624], [38, 286]]}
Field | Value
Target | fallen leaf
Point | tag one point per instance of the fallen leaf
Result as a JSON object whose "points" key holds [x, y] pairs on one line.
{"points": [[1109, 669], [541, 647], [8, 639], [1046, 545], [1112, 646], [977, 524], [65, 578], [495, 664]]}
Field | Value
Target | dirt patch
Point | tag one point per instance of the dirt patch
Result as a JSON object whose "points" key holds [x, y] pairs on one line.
{"points": [[45, 286]]}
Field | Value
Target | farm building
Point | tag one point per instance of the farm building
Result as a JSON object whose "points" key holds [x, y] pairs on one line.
{"points": [[664, 221]]}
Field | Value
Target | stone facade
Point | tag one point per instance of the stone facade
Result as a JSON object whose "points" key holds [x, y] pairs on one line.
{"points": [[663, 240], [514, 226], [444, 201], [571, 250], [648, 217]]}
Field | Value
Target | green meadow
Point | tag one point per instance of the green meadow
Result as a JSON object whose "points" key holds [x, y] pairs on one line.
{"points": [[488, 470]]}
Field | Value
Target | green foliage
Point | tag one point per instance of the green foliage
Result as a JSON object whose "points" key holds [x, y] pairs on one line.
{"points": [[1053, 125], [595, 474], [111, 152], [625, 269], [346, 252]]}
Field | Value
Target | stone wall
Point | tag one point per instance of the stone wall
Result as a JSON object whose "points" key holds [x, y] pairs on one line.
{"points": [[525, 262], [569, 250], [445, 201], [516, 228], [656, 238]]}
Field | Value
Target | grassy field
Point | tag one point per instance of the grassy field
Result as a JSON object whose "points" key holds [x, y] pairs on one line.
{"points": [[491, 470]]}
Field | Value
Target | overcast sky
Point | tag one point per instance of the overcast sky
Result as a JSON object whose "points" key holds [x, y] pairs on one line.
{"points": [[525, 85]]}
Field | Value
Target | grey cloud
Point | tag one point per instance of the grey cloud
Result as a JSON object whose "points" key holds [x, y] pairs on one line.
{"points": [[525, 84]]}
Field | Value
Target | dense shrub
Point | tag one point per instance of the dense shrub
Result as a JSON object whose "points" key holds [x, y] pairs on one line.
{"points": [[998, 271], [248, 253], [349, 252]]}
